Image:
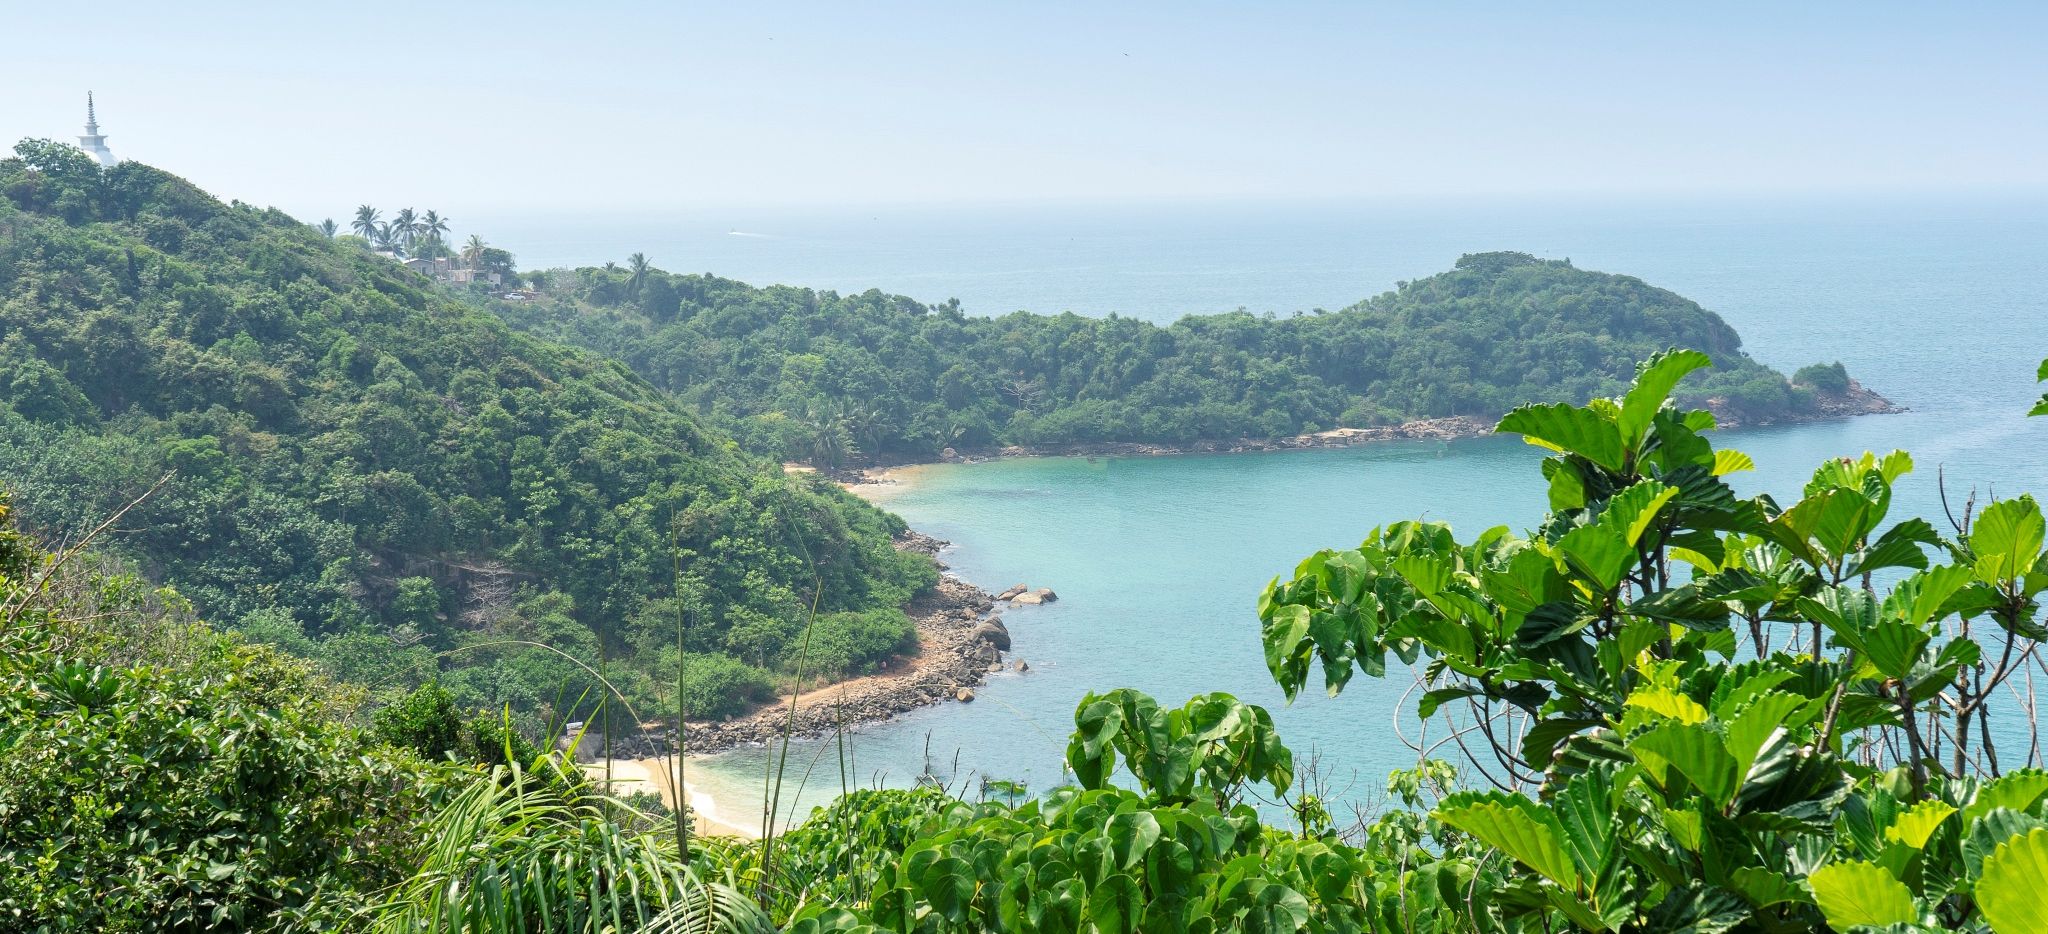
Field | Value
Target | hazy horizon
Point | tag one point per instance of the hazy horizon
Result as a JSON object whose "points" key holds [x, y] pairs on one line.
{"points": [[647, 107]]}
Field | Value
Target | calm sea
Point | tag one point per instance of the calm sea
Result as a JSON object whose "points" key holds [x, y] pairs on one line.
{"points": [[1938, 304]]}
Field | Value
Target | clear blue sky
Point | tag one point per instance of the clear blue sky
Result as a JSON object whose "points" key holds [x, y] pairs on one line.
{"points": [[317, 107]]}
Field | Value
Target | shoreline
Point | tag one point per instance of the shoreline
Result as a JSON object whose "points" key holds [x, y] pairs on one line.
{"points": [[961, 640], [863, 481], [658, 775], [957, 621]]}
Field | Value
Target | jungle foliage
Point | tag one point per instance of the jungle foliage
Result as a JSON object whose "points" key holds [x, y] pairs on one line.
{"points": [[1733, 714], [372, 472], [831, 379], [156, 775]]}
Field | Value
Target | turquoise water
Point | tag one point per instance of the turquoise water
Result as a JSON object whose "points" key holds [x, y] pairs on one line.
{"points": [[1158, 560]]}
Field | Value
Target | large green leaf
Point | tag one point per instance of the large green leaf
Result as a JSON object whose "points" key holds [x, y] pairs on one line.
{"points": [[1599, 553], [1893, 647], [1285, 629], [2013, 891], [1764, 888], [1898, 547], [2006, 538], [1914, 825], [1568, 428], [1750, 730], [1631, 511], [1130, 835], [2016, 790], [1846, 517], [1990, 829], [1695, 752], [1516, 826], [1654, 382], [1855, 894]]}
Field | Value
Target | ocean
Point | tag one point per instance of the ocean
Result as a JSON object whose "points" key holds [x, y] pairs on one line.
{"points": [[1937, 303]]}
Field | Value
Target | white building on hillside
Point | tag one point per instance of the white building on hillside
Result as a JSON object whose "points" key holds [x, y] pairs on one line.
{"points": [[92, 142]]}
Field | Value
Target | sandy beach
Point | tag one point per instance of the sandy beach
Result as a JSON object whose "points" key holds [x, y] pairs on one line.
{"points": [[658, 775], [879, 485]]}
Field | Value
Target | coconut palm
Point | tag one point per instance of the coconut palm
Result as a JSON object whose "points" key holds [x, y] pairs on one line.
{"points": [[328, 227], [638, 280], [386, 237], [405, 226], [433, 226], [366, 222], [473, 251]]}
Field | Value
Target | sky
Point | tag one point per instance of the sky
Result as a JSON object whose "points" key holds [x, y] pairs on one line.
{"points": [[607, 107]]}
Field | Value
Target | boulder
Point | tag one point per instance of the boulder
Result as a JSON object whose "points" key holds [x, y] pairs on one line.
{"points": [[994, 634], [995, 666], [1013, 590], [1045, 595], [1028, 598], [949, 455], [964, 695], [1021, 666]]}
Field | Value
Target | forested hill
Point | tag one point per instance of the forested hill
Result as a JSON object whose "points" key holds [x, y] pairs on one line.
{"points": [[829, 378], [369, 472]]}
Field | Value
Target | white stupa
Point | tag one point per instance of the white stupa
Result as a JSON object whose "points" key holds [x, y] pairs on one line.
{"points": [[92, 141]]}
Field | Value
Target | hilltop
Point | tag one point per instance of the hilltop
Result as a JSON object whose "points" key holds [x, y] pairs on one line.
{"points": [[834, 379], [377, 475]]}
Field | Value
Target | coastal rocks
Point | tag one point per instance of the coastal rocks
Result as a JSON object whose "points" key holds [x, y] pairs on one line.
{"points": [[1021, 667], [919, 543], [957, 645], [994, 633], [1023, 594]]}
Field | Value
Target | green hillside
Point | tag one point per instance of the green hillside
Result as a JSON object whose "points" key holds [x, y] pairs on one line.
{"points": [[834, 378], [370, 473]]}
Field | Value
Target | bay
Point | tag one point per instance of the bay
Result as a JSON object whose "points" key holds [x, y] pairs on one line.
{"points": [[1936, 303]]}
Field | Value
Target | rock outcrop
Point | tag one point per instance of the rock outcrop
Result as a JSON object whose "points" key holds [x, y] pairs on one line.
{"points": [[960, 643]]}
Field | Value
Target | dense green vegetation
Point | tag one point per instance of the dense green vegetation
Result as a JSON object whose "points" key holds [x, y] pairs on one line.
{"points": [[1732, 714], [830, 378], [368, 471], [1700, 713], [156, 775], [1681, 710]]}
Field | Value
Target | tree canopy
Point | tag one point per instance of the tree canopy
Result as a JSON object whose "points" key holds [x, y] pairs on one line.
{"points": [[833, 378], [372, 471]]}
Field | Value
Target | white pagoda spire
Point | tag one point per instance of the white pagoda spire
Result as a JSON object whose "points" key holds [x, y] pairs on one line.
{"points": [[92, 142]]}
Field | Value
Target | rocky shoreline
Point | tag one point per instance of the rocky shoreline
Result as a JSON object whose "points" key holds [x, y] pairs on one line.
{"points": [[961, 640]]}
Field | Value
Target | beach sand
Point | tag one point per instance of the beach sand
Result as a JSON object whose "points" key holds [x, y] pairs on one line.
{"points": [[658, 775], [886, 483]]}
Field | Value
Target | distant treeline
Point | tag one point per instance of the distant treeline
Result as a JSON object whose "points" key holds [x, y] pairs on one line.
{"points": [[833, 378]]}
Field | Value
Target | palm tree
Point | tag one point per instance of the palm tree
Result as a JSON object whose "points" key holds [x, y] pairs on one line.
{"points": [[638, 280], [327, 227], [433, 226], [366, 222], [405, 226], [473, 251], [386, 237]]}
